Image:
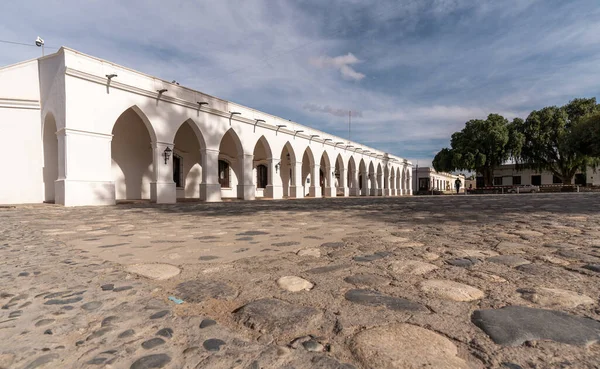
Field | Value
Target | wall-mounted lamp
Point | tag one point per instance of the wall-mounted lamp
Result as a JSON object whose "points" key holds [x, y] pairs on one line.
{"points": [[279, 126], [167, 154], [111, 76], [256, 122], [311, 137], [162, 91], [200, 103], [232, 113], [298, 131], [175, 82], [277, 166], [338, 143], [325, 140]]}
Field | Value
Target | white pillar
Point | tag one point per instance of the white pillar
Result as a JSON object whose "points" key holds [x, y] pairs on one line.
{"points": [[297, 188], [274, 189], [315, 181], [246, 190], [343, 188], [410, 184], [84, 182], [355, 189], [330, 189], [386, 184], [210, 189], [162, 188], [365, 185]]}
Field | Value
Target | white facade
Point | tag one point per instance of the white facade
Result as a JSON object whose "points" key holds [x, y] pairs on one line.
{"points": [[84, 131], [427, 179], [508, 175]]}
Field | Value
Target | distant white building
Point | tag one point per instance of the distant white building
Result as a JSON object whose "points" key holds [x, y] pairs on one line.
{"points": [[427, 179], [508, 175]]}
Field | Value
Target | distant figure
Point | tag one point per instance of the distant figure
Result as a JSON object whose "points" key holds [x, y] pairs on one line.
{"points": [[457, 184]]}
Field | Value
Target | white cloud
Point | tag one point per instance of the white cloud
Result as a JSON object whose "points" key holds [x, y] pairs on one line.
{"points": [[342, 63]]}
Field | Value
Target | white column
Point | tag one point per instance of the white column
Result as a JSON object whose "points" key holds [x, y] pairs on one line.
{"points": [[365, 185], [410, 184], [373, 182], [386, 185], [355, 189], [162, 188], [246, 190], [330, 189], [297, 188], [315, 182], [343, 188], [210, 189], [274, 189]]}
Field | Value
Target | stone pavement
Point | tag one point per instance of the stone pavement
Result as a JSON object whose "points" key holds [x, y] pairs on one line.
{"points": [[416, 282]]}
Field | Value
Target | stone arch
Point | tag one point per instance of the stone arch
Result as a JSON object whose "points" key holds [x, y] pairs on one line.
{"points": [[380, 180], [50, 164], [352, 174], [230, 163], [188, 144], [132, 155], [363, 178], [260, 165], [372, 180], [340, 176], [287, 168], [196, 129], [391, 179], [398, 181], [308, 164], [325, 174]]}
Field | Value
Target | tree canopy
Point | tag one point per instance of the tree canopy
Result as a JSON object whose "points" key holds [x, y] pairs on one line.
{"points": [[586, 135], [481, 146], [549, 138]]}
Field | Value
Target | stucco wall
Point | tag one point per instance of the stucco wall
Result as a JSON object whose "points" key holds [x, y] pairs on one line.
{"points": [[21, 168], [21, 130]]}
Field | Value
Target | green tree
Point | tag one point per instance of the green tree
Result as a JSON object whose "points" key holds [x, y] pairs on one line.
{"points": [[444, 160], [549, 142], [481, 146], [586, 135]]}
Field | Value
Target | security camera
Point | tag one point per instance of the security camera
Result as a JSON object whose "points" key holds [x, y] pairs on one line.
{"points": [[39, 42]]}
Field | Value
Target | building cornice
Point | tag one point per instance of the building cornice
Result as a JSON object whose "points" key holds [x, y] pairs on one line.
{"points": [[19, 104], [384, 157], [71, 131]]}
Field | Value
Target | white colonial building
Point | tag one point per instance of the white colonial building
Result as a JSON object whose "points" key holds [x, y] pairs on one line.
{"points": [[79, 130], [428, 179], [509, 175]]}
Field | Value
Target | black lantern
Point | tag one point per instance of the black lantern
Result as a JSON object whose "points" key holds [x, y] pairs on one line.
{"points": [[167, 154], [277, 166]]}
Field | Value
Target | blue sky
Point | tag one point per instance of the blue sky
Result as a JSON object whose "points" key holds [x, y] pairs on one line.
{"points": [[412, 71]]}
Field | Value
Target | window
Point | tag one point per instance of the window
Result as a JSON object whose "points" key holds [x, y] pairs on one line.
{"points": [[423, 184], [516, 180], [178, 170], [536, 180], [497, 181], [479, 182], [261, 176], [580, 179], [224, 174], [556, 179]]}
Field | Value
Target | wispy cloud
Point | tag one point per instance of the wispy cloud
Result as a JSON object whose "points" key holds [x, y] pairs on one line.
{"points": [[329, 110], [343, 63]]}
